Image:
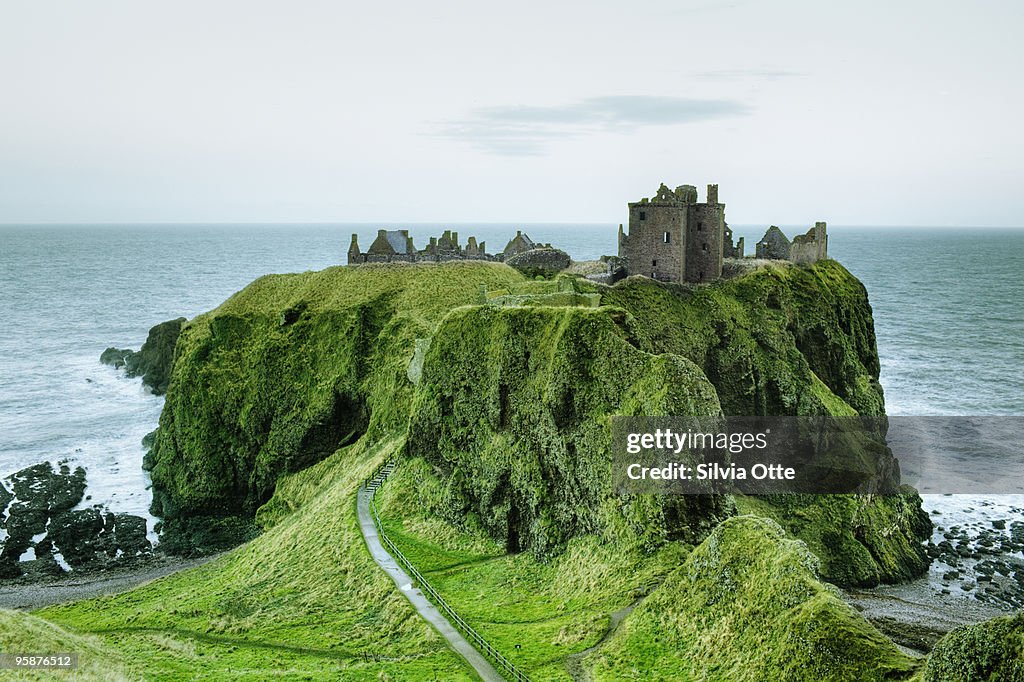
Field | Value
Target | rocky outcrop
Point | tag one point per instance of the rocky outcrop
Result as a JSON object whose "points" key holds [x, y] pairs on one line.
{"points": [[993, 650], [42, 506], [788, 340], [543, 262], [282, 375], [512, 412], [153, 361], [511, 402]]}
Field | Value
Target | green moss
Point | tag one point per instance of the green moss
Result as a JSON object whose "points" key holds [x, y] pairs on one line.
{"points": [[789, 340], [760, 338], [291, 368], [989, 651], [861, 540], [512, 412], [746, 605]]}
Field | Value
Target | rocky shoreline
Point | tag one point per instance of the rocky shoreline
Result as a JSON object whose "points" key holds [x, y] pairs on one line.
{"points": [[911, 616], [45, 533]]}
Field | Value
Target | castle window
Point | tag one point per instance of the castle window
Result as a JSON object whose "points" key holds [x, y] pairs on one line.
{"points": [[654, 263], [643, 215], [700, 227], [704, 247], [668, 237]]}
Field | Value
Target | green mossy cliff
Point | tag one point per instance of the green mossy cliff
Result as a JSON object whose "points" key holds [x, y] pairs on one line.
{"points": [[513, 412], [789, 340], [511, 404], [290, 369]]}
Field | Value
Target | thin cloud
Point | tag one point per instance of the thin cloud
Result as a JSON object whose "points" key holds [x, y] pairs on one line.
{"points": [[741, 74], [526, 130]]}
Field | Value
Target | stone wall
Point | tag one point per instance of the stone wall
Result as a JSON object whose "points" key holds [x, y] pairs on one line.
{"points": [[810, 247]]}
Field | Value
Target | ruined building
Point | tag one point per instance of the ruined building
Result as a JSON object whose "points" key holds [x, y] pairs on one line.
{"points": [[396, 246], [806, 248], [674, 238], [810, 247], [774, 245]]}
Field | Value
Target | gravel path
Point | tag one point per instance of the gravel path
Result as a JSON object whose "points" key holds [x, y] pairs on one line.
{"points": [[422, 605]]}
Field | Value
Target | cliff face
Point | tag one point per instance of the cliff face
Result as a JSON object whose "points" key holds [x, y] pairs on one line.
{"points": [[154, 360], [290, 369], [512, 413], [786, 340], [511, 405]]}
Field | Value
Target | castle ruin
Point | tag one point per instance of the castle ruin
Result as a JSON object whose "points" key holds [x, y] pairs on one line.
{"points": [[675, 238], [805, 248], [396, 246]]}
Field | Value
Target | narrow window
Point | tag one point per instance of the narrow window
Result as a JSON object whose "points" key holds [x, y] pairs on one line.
{"points": [[654, 263], [668, 237], [704, 246], [643, 215], [700, 227]]}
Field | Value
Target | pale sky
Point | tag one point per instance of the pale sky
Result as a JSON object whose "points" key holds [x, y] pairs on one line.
{"points": [[867, 113]]}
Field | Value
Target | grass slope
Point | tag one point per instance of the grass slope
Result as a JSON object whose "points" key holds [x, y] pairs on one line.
{"points": [[304, 601], [551, 610], [21, 633], [746, 605]]}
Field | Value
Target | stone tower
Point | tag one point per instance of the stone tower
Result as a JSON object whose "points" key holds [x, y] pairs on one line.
{"points": [[354, 255], [674, 238], [705, 231]]}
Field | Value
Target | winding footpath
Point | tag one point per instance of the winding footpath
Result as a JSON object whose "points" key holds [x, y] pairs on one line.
{"points": [[422, 605]]}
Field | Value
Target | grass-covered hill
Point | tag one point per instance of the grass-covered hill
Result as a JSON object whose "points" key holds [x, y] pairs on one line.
{"points": [[283, 398]]}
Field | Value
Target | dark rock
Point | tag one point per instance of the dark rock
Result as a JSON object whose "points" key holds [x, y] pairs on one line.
{"points": [[43, 503], [202, 535], [5, 499], [89, 536], [546, 262], [153, 361], [41, 488], [130, 535], [116, 357], [999, 524], [77, 535]]}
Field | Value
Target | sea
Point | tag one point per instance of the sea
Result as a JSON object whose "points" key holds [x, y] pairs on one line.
{"points": [[946, 301]]}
